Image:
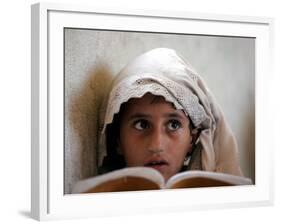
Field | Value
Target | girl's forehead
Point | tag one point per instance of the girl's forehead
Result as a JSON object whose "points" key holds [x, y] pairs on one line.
{"points": [[150, 104], [149, 100]]}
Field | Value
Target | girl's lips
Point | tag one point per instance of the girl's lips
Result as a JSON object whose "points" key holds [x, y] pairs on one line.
{"points": [[156, 161], [158, 164]]}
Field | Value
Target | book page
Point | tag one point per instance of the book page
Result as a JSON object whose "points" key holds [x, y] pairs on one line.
{"points": [[127, 179], [192, 179]]}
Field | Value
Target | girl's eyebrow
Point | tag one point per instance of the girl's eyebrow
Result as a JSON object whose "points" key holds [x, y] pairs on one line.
{"points": [[139, 115], [174, 115]]}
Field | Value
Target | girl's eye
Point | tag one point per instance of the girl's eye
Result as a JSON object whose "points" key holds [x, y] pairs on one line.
{"points": [[141, 125], [174, 125]]}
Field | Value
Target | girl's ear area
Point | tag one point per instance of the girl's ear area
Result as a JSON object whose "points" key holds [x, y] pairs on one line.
{"points": [[118, 146], [194, 135]]}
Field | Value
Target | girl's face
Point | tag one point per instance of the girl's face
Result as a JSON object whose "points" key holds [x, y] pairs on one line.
{"points": [[154, 134]]}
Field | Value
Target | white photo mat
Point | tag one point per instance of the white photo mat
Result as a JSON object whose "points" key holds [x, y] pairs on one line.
{"points": [[48, 199]]}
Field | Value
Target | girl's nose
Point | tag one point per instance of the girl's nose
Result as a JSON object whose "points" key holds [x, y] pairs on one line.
{"points": [[156, 141]]}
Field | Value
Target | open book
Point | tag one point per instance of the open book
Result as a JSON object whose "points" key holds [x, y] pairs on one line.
{"points": [[144, 178]]}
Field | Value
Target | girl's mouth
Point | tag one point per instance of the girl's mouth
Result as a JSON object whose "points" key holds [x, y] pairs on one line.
{"points": [[157, 164]]}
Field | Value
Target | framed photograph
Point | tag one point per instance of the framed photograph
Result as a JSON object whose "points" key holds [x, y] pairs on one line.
{"points": [[77, 51]]}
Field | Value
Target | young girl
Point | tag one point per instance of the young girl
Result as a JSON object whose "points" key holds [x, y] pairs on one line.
{"points": [[160, 114]]}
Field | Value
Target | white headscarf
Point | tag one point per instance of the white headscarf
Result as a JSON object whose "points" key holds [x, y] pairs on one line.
{"points": [[164, 73]]}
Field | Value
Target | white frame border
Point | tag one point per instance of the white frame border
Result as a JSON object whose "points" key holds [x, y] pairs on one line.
{"points": [[48, 201]]}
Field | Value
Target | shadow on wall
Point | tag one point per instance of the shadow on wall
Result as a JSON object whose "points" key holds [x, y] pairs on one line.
{"points": [[84, 117]]}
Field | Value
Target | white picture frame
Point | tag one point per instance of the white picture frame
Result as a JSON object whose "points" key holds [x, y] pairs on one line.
{"points": [[48, 199]]}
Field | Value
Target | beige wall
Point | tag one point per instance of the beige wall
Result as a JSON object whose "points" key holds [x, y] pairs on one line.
{"points": [[92, 58]]}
